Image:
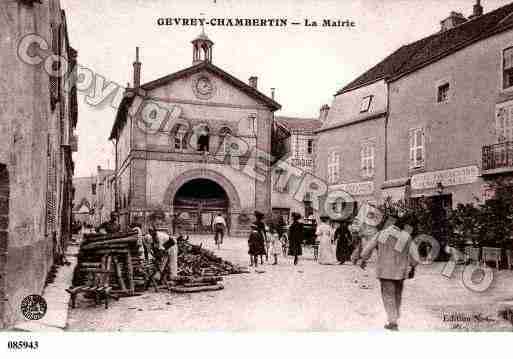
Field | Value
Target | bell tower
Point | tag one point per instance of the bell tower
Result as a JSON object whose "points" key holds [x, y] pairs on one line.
{"points": [[201, 49]]}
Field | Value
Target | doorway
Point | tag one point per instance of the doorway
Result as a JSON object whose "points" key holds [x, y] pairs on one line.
{"points": [[196, 203]]}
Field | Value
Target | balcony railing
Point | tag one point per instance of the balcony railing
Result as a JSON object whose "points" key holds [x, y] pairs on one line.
{"points": [[497, 156]]}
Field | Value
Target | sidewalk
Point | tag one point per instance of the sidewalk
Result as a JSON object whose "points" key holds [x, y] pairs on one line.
{"points": [[57, 299]]}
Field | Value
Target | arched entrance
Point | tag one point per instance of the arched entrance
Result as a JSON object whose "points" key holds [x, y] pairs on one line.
{"points": [[196, 203], [232, 209]]}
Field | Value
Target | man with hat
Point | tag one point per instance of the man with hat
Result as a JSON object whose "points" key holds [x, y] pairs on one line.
{"points": [[296, 237]]}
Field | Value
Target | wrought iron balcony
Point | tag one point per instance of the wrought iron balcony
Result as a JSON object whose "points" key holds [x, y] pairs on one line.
{"points": [[498, 157]]}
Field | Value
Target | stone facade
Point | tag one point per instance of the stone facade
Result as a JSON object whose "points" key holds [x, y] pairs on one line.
{"points": [[104, 200], [301, 154], [351, 142], [437, 113], [83, 199], [36, 127], [154, 160], [456, 129]]}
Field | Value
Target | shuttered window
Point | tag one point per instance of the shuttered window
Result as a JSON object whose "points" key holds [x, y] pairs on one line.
{"points": [[417, 148], [51, 190], [507, 68], [367, 159], [504, 124], [54, 80], [333, 167]]}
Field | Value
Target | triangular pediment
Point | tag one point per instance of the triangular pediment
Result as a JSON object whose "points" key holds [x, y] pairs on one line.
{"points": [[190, 82]]}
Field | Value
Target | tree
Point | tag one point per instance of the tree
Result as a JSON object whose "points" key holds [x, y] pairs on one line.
{"points": [[496, 218]]}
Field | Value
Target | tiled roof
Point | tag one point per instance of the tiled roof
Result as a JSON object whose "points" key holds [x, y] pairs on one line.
{"points": [[298, 123], [413, 56], [83, 202]]}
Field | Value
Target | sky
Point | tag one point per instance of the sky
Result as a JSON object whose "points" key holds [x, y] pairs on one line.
{"points": [[306, 65]]}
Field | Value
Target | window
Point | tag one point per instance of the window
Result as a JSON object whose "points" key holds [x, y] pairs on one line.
{"points": [[443, 93], [277, 187], [504, 124], [417, 151], [93, 189], [300, 146], [507, 68], [365, 105], [179, 141], [204, 140], [223, 141], [367, 159], [333, 167], [310, 144]]}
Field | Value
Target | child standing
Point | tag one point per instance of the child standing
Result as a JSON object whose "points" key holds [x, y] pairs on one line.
{"points": [[276, 245]]}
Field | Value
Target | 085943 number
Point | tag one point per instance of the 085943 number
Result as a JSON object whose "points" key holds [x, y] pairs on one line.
{"points": [[22, 345]]}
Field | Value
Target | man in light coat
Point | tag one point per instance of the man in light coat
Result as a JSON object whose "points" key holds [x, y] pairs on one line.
{"points": [[394, 264]]}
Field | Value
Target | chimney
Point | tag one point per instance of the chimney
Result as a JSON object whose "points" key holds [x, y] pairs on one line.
{"points": [[137, 69], [454, 19], [323, 113], [477, 10], [272, 92], [253, 81]]}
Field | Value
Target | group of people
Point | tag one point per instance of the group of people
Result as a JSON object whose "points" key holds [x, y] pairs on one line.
{"points": [[351, 241], [335, 246], [261, 243]]}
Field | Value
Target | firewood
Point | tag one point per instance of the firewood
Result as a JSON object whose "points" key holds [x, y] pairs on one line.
{"points": [[181, 289], [130, 273], [102, 244], [119, 276]]}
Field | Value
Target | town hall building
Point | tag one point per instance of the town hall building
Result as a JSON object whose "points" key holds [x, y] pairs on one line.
{"points": [[193, 144]]}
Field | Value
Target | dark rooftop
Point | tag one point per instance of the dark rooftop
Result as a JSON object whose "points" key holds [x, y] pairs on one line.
{"points": [[416, 55], [299, 123]]}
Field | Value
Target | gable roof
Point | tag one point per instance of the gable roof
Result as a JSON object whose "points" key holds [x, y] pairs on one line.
{"points": [[299, 123], [205, 65], [83, 202], [416, 55]]}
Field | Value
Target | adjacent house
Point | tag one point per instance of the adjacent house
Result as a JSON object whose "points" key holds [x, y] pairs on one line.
{"points": [[300, 154], [430, 120], [38, 115]]}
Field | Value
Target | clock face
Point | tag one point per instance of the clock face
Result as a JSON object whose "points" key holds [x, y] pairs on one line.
{"points": [[203, 87]]}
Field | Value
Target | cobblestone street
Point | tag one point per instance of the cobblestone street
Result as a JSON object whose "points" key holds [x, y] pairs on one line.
{"points": [[304, 297]]}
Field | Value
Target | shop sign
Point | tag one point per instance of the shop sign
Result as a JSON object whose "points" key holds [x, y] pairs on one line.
{"points": [[452, 177], [355, 188], [302, 162], [395, 193]]}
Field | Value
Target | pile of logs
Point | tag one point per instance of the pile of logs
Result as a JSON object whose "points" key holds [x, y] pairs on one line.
{"points": [[193, 260], [181, 284], [121, 252], [115, 265]]}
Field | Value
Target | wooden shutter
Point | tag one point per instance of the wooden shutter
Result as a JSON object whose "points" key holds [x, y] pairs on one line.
{"points": [[412, 147], [51, 205]]}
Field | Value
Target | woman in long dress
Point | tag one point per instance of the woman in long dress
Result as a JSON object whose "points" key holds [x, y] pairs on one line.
{"points": [[324, 236]]}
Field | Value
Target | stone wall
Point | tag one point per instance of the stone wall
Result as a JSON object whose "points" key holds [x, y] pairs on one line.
{"points": [[4, 226], [31, 134], [455, 130]]}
